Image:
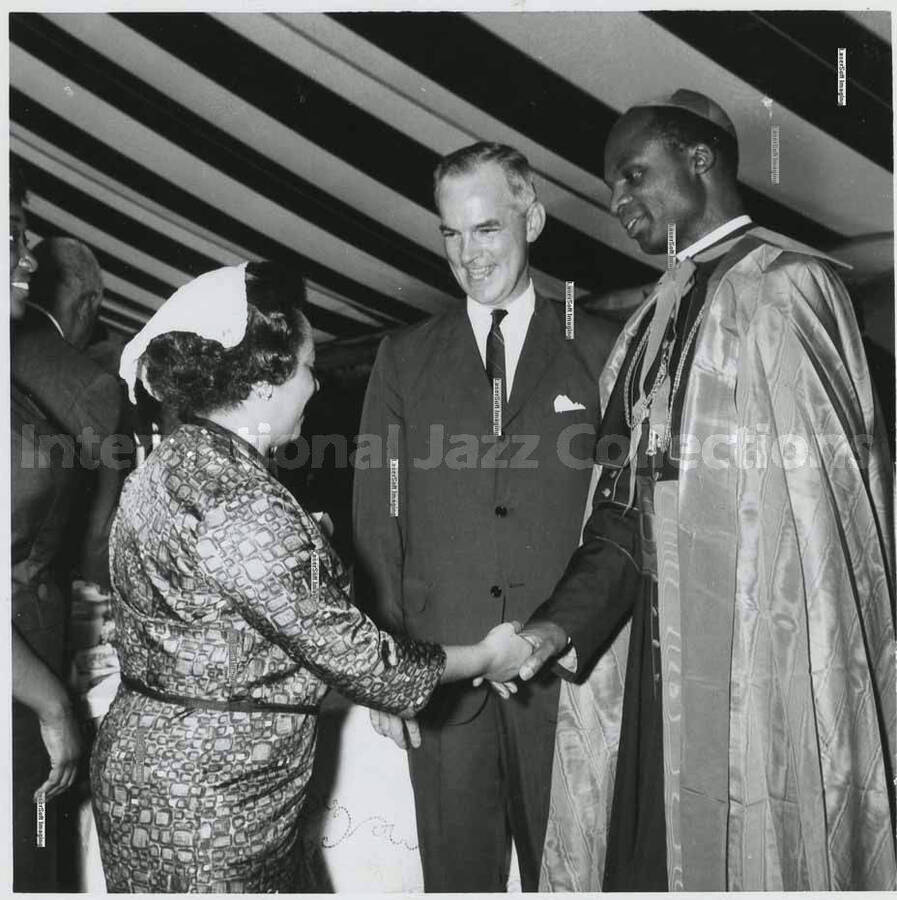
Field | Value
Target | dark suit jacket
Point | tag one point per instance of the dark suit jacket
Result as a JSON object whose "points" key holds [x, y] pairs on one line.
{"points": [[71, 389], [82, 405], [42, 490], [485, 526]]}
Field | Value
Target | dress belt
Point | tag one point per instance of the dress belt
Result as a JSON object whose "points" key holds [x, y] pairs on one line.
{"points": [[223, 705]]}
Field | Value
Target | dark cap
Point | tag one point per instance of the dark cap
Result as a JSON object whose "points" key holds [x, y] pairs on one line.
{"points": [[695, 103]]}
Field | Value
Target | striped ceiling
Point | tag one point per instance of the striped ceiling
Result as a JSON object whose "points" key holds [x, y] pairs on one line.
{"points": [[175, 143]]}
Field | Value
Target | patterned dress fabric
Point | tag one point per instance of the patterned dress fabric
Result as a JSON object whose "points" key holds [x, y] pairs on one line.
{"points": [[224, 589]]}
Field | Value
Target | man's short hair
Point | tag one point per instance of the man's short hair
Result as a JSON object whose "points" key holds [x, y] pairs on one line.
{"points": [[64, 262], [680, 129], [518, 172]]}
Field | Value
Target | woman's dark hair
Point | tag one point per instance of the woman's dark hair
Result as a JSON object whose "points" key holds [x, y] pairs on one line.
{"points": [[196, 376]]}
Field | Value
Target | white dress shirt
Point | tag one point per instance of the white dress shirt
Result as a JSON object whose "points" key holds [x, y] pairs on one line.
{"points": [[513, 329], [713, 237]]}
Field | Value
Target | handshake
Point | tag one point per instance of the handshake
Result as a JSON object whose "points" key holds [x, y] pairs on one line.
{"points": [[506, 653], [514, 652]]}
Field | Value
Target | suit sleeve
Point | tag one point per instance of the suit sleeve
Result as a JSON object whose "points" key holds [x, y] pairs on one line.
{"points": [[597, 591], [110, 460], [378, 539], [100, 410]]}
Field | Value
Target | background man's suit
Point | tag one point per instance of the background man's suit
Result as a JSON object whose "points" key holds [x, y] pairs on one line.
{"points": [[56, 392], [479, 538], [84, 402]]}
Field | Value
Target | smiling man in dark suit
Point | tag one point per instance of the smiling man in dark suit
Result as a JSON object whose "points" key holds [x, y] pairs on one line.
{"points": [[487, 416]]}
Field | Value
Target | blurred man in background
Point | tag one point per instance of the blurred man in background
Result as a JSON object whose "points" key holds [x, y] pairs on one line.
{"points": [[63, 408], [46, 741], [85, 402]]}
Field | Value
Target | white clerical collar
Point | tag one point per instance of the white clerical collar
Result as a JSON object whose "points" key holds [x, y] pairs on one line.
{"points": [[521, 306], [713, 237], [49, 315]]}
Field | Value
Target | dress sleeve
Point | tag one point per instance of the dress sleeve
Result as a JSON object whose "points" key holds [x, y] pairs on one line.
{"points": [[259, 548]]}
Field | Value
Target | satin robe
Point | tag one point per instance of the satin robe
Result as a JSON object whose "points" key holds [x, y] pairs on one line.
{"points": [[778, 647]]}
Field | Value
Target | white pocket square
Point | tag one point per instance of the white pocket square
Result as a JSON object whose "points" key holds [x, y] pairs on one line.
{"points": [[562, 403]]}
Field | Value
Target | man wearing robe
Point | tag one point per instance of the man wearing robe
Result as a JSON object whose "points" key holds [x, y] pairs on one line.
{"points": [[735, 577]]}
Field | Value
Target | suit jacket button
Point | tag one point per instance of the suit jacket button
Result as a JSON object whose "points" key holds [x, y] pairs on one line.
{"points": [[495, 590], [501, 511]]}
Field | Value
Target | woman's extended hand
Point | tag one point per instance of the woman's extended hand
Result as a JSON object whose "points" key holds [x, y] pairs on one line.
{"points": [[506, 653], [496, 658]]}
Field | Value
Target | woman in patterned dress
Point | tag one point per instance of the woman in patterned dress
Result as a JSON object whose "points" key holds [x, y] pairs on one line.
{"points": [[232, 611]]}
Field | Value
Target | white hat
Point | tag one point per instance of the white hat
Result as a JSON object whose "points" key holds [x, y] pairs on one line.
{"points": [[212, 306]]}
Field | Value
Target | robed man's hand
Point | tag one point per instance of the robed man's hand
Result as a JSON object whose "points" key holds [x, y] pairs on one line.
{"points": [[547, 641]]}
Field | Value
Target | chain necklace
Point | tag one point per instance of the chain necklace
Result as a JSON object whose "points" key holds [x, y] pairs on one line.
{"points": [[627, 383], [629, 408], [685, 349]]}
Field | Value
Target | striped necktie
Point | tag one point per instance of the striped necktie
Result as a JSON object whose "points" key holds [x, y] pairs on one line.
{"points": [[495, 350]]}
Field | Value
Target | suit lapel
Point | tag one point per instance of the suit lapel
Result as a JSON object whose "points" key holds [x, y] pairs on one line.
{"points": [[464, 368], [543, 341]]}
